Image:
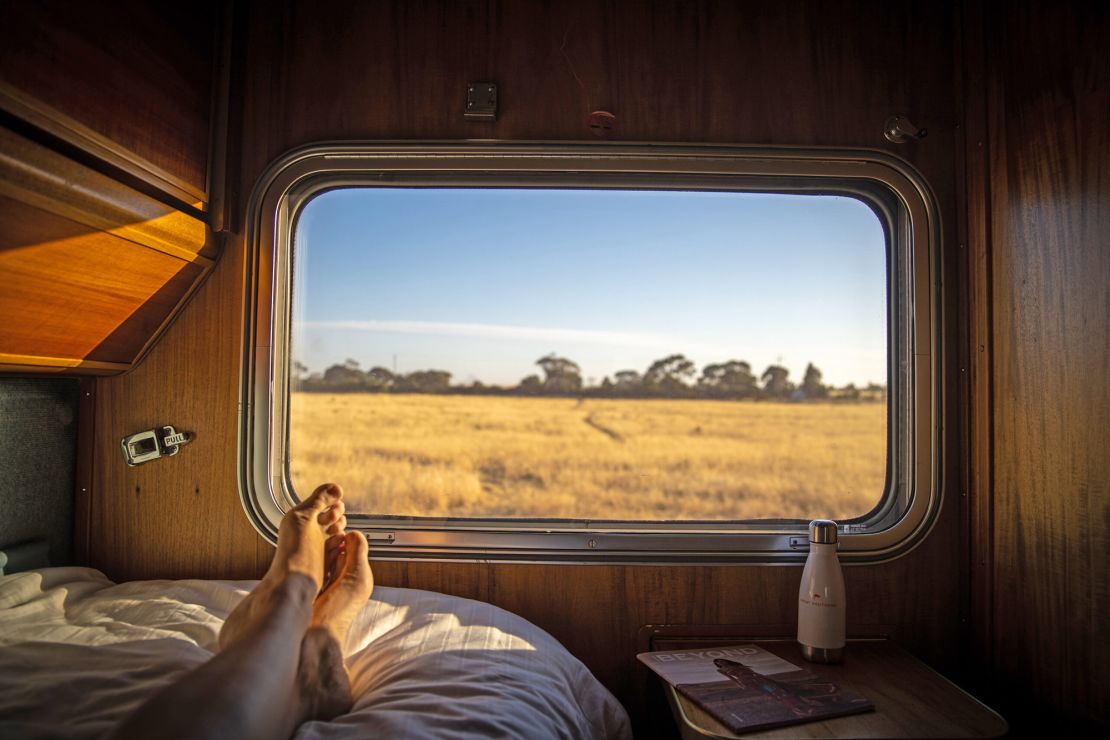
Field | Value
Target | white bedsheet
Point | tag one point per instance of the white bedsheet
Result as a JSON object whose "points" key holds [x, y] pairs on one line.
{"points": [[78, 653]]}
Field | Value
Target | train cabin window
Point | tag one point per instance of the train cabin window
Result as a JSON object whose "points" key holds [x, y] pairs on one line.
{"points": [[614, 354]]}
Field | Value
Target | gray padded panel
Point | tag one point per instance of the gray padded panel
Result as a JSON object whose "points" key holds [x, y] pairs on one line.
{"points": [[38, 451]]}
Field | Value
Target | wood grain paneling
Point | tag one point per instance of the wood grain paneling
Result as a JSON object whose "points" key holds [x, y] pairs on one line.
{"points": [[977, 344], [669, 71], [40, 177], [136, 73], [1048, 103], [91, 269], [179, 517], [69, 292], [810, 73]]}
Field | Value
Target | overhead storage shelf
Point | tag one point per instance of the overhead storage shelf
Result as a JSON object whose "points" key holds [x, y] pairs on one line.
{"points": [[91, 270]]}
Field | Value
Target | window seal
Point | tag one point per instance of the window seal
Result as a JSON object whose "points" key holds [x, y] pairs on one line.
{"points": [[899, 195]]}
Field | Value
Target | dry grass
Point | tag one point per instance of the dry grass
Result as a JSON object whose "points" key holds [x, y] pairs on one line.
{"points": [[466, 456]]}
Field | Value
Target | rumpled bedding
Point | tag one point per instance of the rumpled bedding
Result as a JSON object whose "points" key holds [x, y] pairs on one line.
{"points": [[78, 653]]}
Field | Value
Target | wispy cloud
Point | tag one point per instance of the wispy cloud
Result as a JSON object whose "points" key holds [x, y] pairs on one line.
{"points": [[500, 331]]}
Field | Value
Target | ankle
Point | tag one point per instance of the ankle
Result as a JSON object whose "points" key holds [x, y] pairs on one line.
{"points": [[294, 591], [322, 635], [325, 685]]}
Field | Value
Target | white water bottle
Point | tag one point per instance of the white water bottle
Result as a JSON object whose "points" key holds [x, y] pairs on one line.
{"points": [[821, 597]]}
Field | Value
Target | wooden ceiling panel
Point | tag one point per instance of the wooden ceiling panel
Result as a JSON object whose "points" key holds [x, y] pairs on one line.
{"points": [[138, 74]]}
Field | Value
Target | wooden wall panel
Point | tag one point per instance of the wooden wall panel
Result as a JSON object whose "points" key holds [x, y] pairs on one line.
{"points": [[977, 344], [137, 73], [178, 517], [670, 71], [813, 73], [1048, 104]]}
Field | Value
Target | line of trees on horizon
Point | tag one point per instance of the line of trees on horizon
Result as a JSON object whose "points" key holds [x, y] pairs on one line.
{"points": [[674, 376]]}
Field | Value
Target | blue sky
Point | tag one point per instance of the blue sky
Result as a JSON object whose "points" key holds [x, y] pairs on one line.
{"points": [[483, 282]]}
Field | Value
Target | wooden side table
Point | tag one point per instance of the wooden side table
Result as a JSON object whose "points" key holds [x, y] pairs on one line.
{"points": [[911, 699]]}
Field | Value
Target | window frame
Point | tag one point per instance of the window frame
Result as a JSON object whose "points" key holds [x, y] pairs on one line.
{"points": [[898, 195]]}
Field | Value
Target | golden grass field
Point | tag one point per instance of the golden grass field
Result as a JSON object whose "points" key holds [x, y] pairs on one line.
{"points": [[486, 456]]}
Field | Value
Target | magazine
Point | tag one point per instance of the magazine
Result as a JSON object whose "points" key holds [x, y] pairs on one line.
{"points": [[746, 688]]}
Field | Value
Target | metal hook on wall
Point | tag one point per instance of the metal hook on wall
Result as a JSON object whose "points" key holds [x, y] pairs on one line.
{"points": [[900, 129]]}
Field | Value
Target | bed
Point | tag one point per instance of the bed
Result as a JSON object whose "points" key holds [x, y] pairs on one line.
{"points": [[79, 652]]}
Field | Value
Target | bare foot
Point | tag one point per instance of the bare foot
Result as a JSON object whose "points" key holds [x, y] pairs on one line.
{"points": [[333, 546], [347, 589], [300, 554], [325, 686]]}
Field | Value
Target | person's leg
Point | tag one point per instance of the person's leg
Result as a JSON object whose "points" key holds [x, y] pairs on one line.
{"points": [[303, 547], [323, 677], [253, 687]]}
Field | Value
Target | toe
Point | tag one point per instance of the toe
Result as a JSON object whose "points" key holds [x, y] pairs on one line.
{"points": [[341, 560], [330, 515], [359, 552], [332, 547], [322, 498], [337, 526], [357, 545]]}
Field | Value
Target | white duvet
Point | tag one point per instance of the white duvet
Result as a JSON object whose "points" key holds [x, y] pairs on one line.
{"points": [[78, 652]]}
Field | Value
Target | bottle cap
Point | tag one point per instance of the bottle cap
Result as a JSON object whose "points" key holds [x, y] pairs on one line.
{"points": [[823, 532]]}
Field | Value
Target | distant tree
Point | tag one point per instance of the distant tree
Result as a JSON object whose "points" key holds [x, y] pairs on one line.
{"points": [[530, 386], [345, 377], [775, 381], [811, 383], [732, 379], [850, 392], [669, 376], [626, 381], [560, 374], [381, 378], [424, 381]]}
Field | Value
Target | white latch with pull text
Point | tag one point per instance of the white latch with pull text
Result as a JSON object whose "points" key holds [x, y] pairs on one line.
{"points": [[152, 444]]}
